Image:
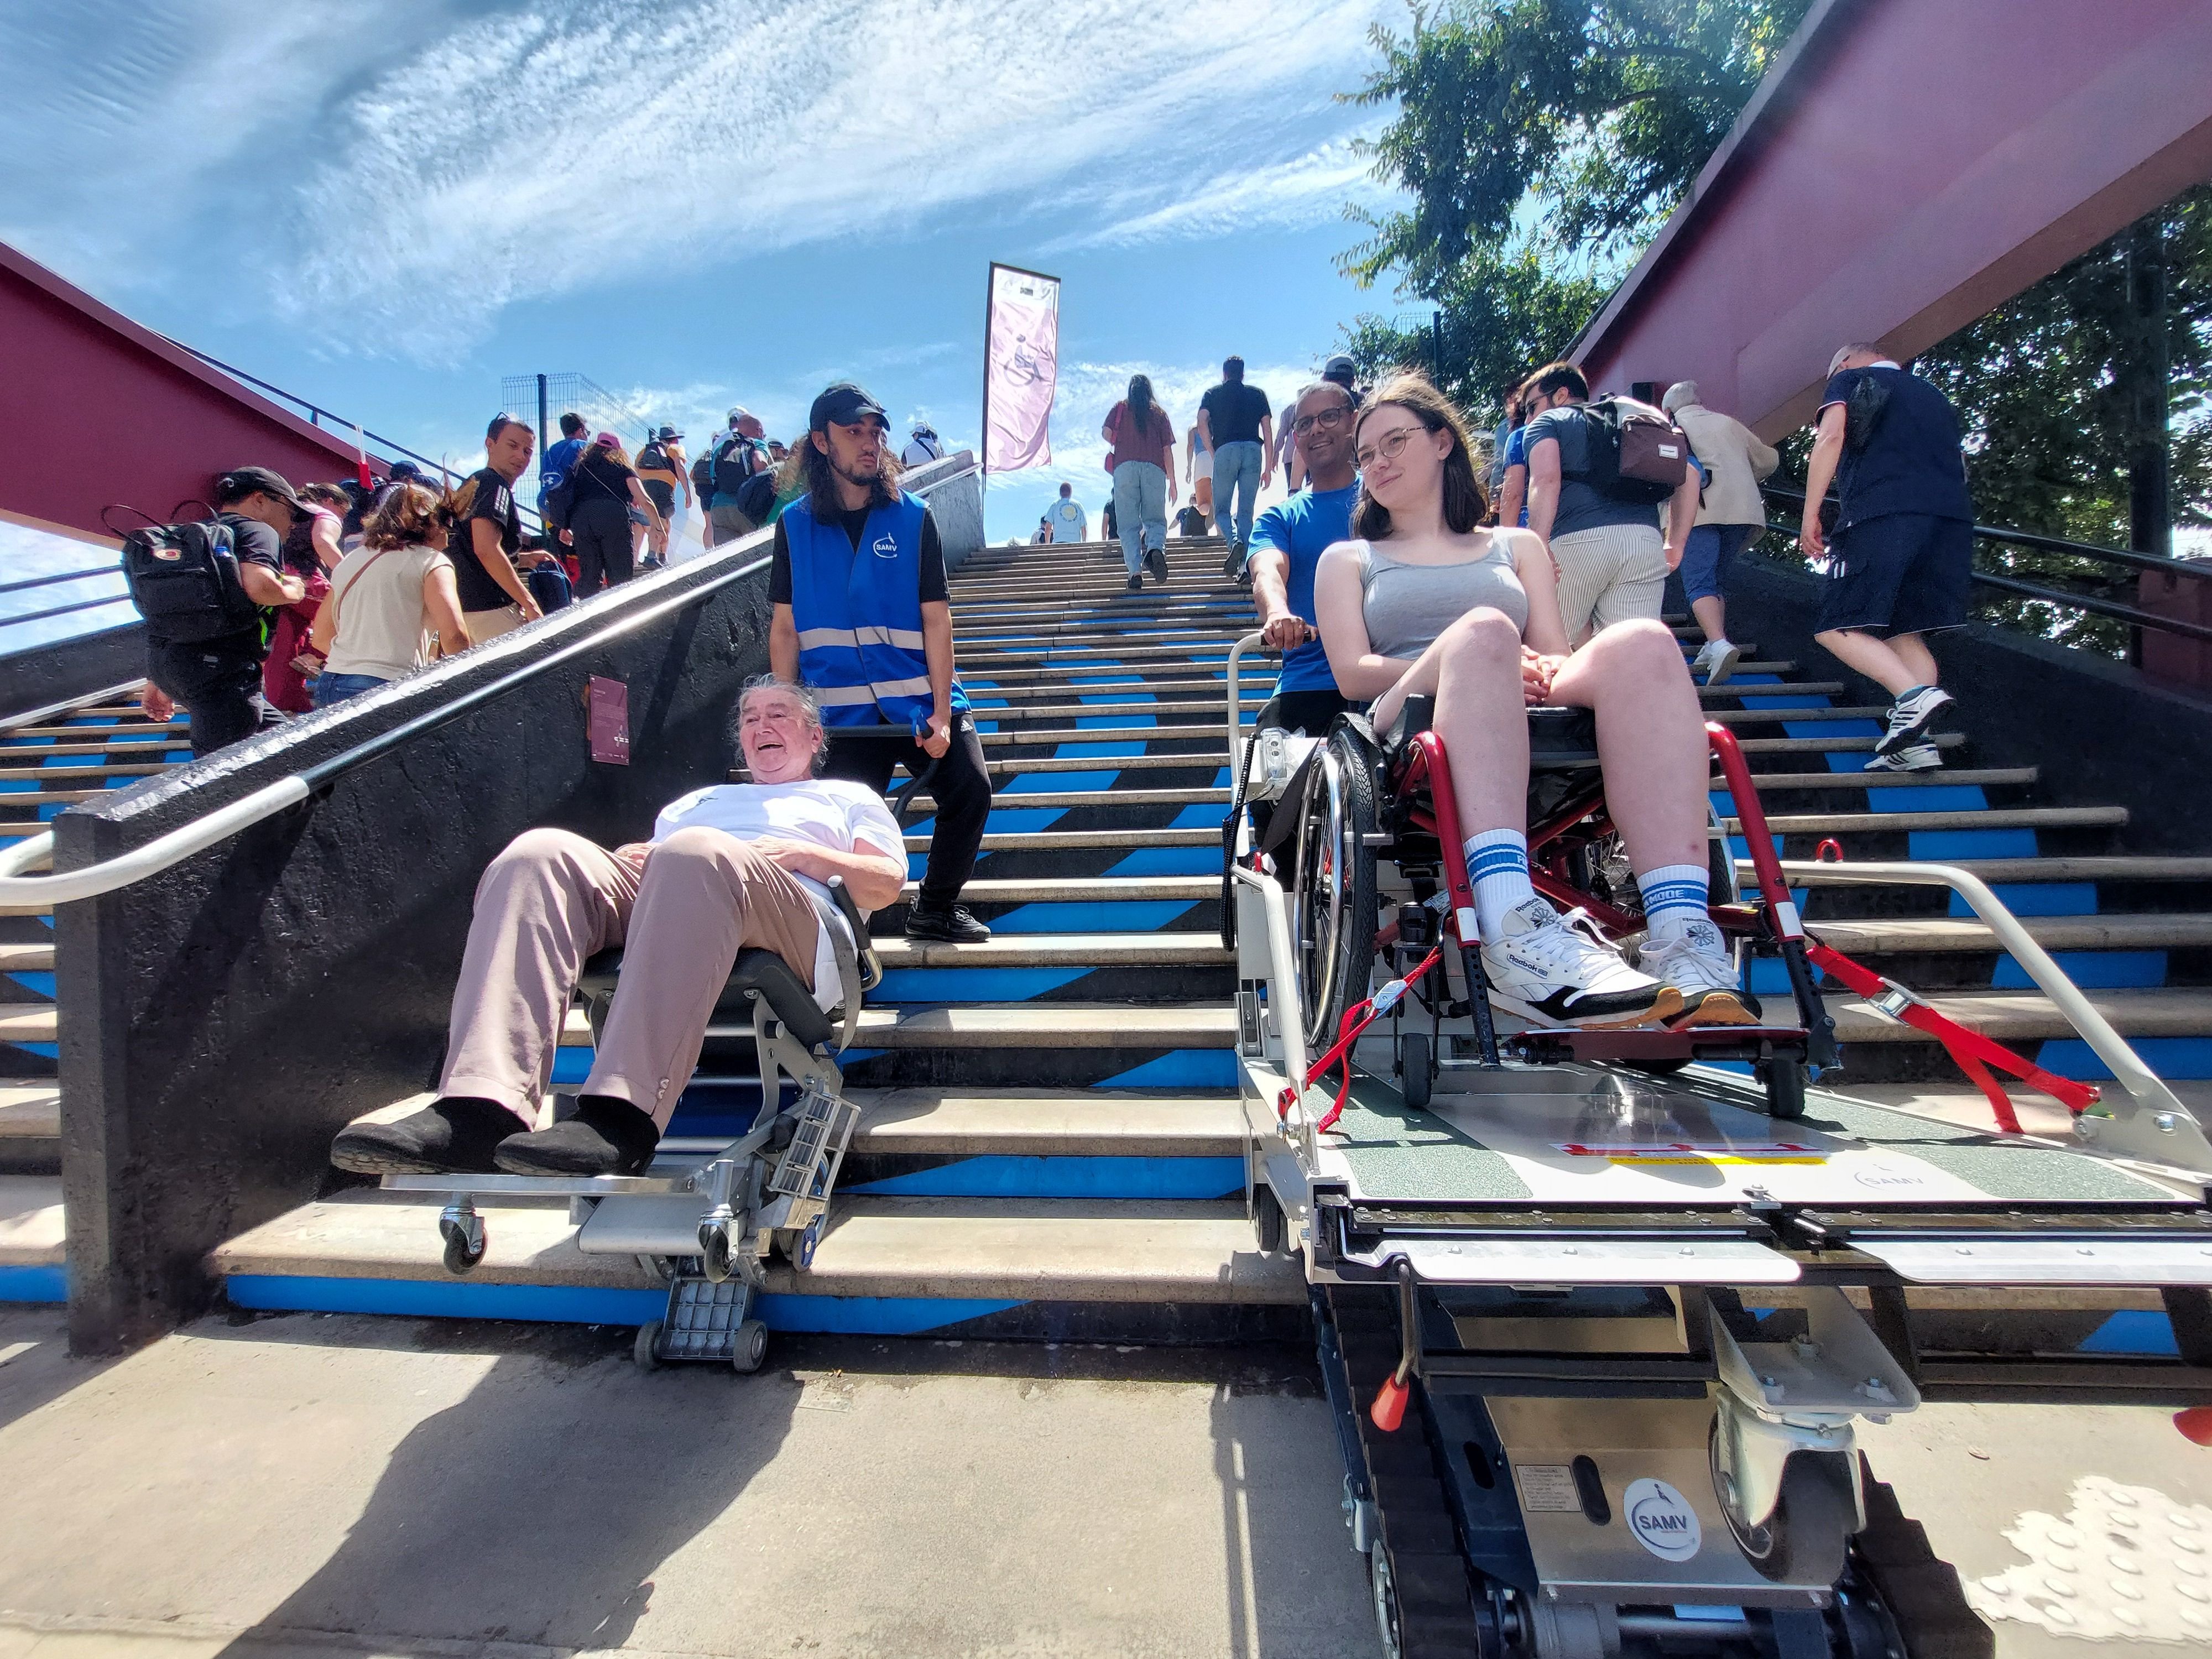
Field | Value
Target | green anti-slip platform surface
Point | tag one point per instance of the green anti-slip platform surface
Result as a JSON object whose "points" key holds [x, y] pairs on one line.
{"points": [[1569, 1134]]}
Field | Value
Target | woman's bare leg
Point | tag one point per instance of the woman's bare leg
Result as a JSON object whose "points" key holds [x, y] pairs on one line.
{"points": [[1650, 739], [1474, 672]]}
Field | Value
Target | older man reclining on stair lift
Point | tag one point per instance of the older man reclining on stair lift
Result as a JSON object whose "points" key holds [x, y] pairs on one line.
{"points": [[729, 866]]}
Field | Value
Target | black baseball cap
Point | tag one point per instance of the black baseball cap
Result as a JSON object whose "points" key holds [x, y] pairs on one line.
{"points": [[843, 404], [243, 481]]}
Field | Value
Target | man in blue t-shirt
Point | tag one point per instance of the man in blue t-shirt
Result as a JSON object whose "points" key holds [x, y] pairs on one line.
{"points": [[1902, 557], [1287, 543], [553, 467]]}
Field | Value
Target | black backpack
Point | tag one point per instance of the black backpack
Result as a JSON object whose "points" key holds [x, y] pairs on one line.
{"points": [[757, 496], [1633, 454], [652, 459], [184, 579], [735, 460], [703, 479]]}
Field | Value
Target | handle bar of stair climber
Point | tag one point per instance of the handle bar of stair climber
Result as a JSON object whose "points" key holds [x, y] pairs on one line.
{"points": [[180, 843], [2157, 1127], [1235, 704], [1287, 1014]]}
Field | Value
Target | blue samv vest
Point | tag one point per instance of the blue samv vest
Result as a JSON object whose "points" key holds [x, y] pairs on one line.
{"points": [[858, 615]]}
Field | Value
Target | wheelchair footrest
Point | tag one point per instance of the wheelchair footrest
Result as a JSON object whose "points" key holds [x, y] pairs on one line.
{"points": [[1552, 1046], [703, 1318]]}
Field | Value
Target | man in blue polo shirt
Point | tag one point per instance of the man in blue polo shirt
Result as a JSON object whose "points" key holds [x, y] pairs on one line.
{"points": [[1901, 559], [1287, 543]]}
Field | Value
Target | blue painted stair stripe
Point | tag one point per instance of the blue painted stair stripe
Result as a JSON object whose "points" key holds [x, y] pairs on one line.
{"points": [[2093, 970], [1949, 846], [994, 1175], [961, 985], [1171, 861], [1094, 916], [27, 1284], [1180, 1068], [2171, 1058], [2038, 898]]}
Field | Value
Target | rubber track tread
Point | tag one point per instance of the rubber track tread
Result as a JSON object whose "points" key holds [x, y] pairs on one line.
{"points": [[1434, 1612], [1921, 1588]]}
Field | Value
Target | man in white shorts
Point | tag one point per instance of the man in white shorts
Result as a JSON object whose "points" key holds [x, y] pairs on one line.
{"points": [[729, 866]]}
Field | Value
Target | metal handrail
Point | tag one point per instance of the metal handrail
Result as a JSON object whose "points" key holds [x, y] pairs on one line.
{"points": [[63, 576], [64, 887], [2156, 1126]]}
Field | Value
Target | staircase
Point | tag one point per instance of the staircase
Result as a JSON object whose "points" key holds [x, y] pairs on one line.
{"points": [[51, 759], [1052, 1144]]}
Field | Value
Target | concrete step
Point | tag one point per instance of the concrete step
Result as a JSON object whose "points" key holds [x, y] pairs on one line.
{"points": [[30, 1128], [37, 1024], [2116, 868], [1213, 707], [1019, 1123], [1134, 799], [1086, 889], [1047, 765], [1046, 841], [2028, 1016], [177, 731], [31, 1244], [927, 1249], [27, 958], [1062, 951], [61, 774], [1840, 744], [1010, 1025], [1930, 934], [1204, 736], [1990, 776], [1860, 823]]}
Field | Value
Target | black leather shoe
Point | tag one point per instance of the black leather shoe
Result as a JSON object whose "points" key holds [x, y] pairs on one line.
{"points": [[606, 1137], [954, 925], [1136, 583], [449, 1137], [1157, 562]]}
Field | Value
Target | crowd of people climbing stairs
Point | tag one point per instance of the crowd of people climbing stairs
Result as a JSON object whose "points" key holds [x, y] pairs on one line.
{"points": [[1393, 570]]}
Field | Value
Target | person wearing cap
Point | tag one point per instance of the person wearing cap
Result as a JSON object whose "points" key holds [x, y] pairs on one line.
{"points": [[861, 614], [661, 469], [738, 453], [219, 679], [1339, 370], [488, 532], [923, 445]]}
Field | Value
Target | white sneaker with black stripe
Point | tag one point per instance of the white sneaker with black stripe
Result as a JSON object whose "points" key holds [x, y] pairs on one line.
{"points": [[1557, 970], [1913, 757], [1910, 717]]}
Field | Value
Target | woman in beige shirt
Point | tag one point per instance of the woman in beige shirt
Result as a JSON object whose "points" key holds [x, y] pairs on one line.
{"points": [[387, 596]]}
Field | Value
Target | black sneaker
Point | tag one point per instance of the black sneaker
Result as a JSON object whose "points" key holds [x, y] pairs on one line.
{"points": [[606, 1137], [449, 1137], [953, 925], [1136, 583], [1157, 562], [1234, 564]]}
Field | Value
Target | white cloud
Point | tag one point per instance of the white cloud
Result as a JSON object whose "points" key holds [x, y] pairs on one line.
{"points": [[1308, 189], [749, 125]]}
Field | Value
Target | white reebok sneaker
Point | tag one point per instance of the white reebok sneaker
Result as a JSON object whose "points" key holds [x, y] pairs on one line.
{"points": [[1556, 971], [1696, 963]]}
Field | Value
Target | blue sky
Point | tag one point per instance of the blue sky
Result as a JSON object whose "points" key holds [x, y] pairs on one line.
{"points": [[387, 205]]}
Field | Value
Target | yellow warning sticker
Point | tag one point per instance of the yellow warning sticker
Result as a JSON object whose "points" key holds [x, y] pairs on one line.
{"points": [[1690, 1152]]}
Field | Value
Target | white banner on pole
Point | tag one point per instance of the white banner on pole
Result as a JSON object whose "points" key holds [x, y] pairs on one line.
{"points": [[1021, 369]]}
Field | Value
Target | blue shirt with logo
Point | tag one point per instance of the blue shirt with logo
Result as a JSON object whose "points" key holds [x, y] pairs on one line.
{"points": [[1303, 528], [553, 469]]}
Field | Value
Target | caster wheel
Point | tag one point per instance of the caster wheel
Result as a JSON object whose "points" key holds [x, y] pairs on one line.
{"points": [[715, 1246], [461, 1255], [648, 1339], [1389, 1627], [750, 1348], [1268, 1225], [1809, 1533], [1413, 1071], [1784, 1080]]}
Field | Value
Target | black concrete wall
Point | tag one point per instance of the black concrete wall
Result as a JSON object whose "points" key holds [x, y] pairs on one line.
{"points": [[224, 1020], [2102, 732], [43, 675]]}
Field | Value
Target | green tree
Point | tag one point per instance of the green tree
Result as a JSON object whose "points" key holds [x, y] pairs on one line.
{"points": [[1540, 143]]}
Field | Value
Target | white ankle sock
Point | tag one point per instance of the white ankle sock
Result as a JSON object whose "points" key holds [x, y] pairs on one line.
{"points": [[1674, 895], [1498, 864]]}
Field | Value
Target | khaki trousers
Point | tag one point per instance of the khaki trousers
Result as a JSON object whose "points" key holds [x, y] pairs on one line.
{"points": [[1615, 572], [490, 625], [681, 909]]}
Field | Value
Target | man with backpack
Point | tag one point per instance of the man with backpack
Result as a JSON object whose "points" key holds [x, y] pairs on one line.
{"points": [[1598, 474], [207, 592], [660, 470], [738, 457], [560, 455]]}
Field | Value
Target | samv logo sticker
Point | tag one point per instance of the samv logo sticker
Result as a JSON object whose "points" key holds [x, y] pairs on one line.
{"points": [[1661, 1520], [884, 547]]}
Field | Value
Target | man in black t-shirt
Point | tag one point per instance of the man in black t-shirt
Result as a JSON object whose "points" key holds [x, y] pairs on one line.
{"points": [[219, 680], [1238, 423], [1901, 561], [494, 599]]}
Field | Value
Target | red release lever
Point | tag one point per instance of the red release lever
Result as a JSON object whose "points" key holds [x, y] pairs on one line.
{"points": [[1389, 1410], [2195, 1423]]}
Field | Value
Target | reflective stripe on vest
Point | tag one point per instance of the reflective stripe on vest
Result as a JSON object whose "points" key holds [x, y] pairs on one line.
{"points": [[858, 615]]}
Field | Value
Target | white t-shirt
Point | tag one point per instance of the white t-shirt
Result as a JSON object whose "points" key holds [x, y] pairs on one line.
{"points": [[830, 812], [1065, 518]]}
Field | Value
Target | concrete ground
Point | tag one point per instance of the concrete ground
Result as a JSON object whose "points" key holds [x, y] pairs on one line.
{"points": [[321, 1485]]}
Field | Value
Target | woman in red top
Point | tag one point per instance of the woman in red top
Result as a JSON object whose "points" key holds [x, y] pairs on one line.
{"points": [[1143, 465]]}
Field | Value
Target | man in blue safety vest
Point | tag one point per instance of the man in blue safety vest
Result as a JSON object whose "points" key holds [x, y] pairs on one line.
{"points": [[862, 614]]}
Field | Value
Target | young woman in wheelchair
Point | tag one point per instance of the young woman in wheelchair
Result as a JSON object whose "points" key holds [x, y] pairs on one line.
{"points": [[1425, 602]]}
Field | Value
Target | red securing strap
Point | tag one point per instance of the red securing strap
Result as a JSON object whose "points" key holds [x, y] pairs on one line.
{"points": [[1357, 1019]]}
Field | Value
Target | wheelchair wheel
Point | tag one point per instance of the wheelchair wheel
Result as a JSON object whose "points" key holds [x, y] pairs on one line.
{"points": [[1783, 1079], [1332, 900], [1413, 1070]]}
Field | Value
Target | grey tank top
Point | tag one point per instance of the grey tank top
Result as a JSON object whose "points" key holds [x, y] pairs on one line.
{"points": [[1406, 606]]}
